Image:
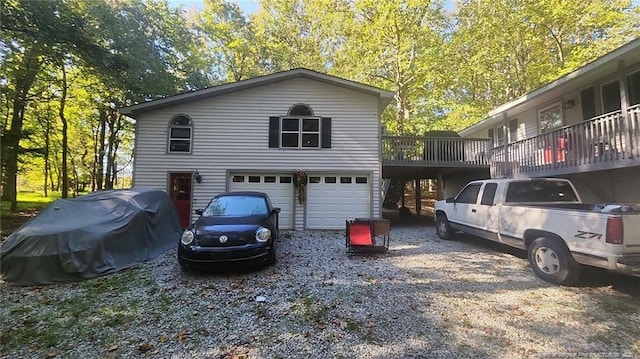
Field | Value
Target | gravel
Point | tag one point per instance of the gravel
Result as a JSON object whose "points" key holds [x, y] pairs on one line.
{"points": [[425, 298]]}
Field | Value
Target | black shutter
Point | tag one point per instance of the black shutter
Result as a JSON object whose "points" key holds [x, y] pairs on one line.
{"points": [[325, 140], [274, 132]]}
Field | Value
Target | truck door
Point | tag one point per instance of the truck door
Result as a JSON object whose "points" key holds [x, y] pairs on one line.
{"points": [[486, 218], [465, 206]]}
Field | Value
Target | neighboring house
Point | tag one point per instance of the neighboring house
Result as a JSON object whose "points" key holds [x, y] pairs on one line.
{"points": [[254, 134], [585, 126]]}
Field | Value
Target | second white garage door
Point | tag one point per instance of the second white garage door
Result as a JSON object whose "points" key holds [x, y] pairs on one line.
{"points": [[332, 199], [278, 187]]}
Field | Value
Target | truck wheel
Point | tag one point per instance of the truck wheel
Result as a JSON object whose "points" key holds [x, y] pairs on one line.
{"points": [[443, 228], [552, 261]]}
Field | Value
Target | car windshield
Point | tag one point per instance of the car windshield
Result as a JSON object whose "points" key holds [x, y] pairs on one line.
{"points": [[236, 206]]}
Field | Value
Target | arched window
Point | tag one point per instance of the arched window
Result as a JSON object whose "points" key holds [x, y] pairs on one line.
{"points": [[180, 134], [300, 110]]}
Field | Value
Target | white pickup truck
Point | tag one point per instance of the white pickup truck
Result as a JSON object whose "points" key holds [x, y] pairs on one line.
{"points": [[546, 217]]}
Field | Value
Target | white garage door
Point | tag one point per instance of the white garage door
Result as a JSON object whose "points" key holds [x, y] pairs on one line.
{"points": [[278, 187], [332, 199]]}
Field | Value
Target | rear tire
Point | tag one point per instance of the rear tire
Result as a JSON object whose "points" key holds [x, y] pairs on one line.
{"points": [[551, 260], [443, 229]]}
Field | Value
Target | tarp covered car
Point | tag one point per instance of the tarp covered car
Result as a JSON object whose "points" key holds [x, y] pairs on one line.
{"points": [[90, 236]]}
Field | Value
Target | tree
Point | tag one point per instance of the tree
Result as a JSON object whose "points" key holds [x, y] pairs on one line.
{"points": [[296, 33], [229, 41], [501, 50], [394, 44], [33, 31], [104, 39]]}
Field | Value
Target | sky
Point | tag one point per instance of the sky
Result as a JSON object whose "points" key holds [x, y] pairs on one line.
{"points": [[247, 6]]}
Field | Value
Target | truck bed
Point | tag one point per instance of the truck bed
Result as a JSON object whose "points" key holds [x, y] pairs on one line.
{"points": [[586, 207]]}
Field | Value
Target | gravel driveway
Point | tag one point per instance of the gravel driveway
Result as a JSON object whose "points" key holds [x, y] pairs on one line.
{"points": [[426, 298]]}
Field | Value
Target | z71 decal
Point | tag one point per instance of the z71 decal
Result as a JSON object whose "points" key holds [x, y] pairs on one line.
{"points": [[588, 235]]}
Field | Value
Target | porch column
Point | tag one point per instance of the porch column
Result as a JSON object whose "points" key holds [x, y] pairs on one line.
{"points": [[505, 125], [418, 197], [440, 187], [625, 124]]}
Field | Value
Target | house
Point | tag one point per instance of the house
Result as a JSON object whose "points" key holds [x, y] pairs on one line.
{"points": [[584, 126], [255, 134]]}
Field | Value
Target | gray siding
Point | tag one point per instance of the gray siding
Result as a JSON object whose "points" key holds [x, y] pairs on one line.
{"points": [[231, 133]]}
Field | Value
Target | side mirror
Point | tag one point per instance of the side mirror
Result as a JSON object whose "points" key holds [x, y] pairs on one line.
{"points": [[275, 210], [450, 200], [199, 212]]}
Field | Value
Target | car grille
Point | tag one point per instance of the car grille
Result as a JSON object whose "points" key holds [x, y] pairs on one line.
{"points": [[213, 240]]}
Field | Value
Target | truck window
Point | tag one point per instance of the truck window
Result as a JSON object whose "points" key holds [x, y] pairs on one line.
{"points": [[469, 194], [540, 191], [488, 194]]}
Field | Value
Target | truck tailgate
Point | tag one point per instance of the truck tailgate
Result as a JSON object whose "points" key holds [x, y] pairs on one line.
{"points": [[631, 233]]}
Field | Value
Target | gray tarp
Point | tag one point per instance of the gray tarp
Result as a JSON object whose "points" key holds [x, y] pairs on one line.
{"points": [[89, 236]]}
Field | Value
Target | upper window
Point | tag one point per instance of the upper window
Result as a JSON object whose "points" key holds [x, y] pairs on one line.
{"points": [[300, 132], [550, 118], [497, 136], [634, 88], [180, 134], [299, 129], [611, 97], [513, 130]]}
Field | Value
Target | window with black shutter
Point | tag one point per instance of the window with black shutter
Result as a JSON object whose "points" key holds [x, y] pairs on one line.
{"points": [[300, 129]]}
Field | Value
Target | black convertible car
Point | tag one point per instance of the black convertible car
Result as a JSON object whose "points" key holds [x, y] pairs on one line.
{"points": [[235, 227]]}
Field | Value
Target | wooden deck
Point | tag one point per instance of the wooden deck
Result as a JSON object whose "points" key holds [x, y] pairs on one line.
{"points": [[604, 142]]}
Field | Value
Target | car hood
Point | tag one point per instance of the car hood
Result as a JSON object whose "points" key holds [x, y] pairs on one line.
{"points": [[238, 230]]}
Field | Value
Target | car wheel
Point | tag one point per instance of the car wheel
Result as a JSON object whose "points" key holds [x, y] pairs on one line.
{"points": [[551, 260], [443, 228], [273, 258]]}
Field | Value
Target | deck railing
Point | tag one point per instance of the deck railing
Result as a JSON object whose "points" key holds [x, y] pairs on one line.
{"points": [[441, 151], [599, 143]]}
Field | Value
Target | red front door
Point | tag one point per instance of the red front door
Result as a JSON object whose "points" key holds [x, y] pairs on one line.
{"points": [[180, 193]]}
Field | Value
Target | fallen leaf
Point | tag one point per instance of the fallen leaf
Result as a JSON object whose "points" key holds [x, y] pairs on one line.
{"points": [[182, 335], [371, 324], [52, 355], [162, 339], [112, 347], [145, 347]]}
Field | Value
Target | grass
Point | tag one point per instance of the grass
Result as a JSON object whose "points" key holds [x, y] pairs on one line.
{"points": [[29, 204], [56, 318]]}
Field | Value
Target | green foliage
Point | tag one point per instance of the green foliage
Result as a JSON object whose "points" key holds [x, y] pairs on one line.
{"points": [[447, 66]]}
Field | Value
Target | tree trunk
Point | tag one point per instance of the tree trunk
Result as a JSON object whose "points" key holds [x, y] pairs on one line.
{"points": [[102, 128], [107, 173], [47, 144], [65, 136], [25, 77]]}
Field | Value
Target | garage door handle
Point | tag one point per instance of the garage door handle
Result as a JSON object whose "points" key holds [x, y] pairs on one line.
{"points": [[473, 211]]}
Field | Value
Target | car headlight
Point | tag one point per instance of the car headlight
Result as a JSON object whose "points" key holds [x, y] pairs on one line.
{"points": [[187, 237], [263, 234]]}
